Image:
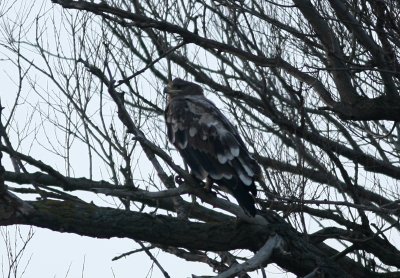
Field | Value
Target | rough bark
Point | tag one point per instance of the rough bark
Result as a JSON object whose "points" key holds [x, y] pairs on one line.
{"points": [[90, 220]]}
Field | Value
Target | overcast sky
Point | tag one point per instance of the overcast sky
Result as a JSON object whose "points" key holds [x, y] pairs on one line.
{"points": [[53, 254]]}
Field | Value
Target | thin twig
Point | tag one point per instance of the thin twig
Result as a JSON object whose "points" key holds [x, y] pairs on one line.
{"points": [[146, 250], [131, 252], [127, 79]]}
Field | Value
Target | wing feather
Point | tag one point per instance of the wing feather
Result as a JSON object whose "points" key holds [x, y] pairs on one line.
{"points": [[211, 145], [196, 122]]}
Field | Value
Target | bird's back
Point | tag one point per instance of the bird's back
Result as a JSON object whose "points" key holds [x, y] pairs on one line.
{"points": [[212, 146]]}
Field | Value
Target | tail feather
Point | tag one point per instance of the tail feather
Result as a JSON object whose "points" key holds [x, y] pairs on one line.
{"points": [[245, 200], [241, 193]]}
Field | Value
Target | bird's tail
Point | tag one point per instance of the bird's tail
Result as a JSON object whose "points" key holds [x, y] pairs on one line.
{"points": [[245, 200], [242, 195]]}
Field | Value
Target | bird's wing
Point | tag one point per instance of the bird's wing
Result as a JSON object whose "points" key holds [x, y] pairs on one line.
{"points": [[208, 142]]}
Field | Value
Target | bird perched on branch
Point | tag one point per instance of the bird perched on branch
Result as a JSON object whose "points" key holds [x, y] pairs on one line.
{"points": [[209, 143]]}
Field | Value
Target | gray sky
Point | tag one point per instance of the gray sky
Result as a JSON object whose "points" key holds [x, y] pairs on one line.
{"points": [[54, 254]]}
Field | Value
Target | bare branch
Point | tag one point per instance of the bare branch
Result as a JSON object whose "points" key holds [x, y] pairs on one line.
{"points": [[257, 261]]}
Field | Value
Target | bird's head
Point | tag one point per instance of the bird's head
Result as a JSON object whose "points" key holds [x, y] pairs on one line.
{"points": [[181, 87]]}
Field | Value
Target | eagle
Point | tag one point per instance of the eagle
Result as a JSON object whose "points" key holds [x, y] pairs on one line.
{"points": [[209, 143]]}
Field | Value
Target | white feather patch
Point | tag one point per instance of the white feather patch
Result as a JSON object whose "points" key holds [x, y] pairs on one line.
{"points": [[245, 179], [228, 176], [192, 131], [222, 158], [235, 151], [184, 145], [248, 170], [216, 176], [220, 176], [229, 156]]}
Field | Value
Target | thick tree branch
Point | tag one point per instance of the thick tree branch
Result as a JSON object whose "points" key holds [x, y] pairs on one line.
{"points": [[378, 246], [76, 184], [335, 56], [384, 107], [93, 221], [378, 54], [259, 259]]}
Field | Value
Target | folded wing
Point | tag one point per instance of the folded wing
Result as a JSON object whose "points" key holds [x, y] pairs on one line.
{"points": [[211, 146]]}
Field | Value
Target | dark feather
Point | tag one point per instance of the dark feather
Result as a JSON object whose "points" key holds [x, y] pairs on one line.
{"points": [[245, 200], [209, 143]]}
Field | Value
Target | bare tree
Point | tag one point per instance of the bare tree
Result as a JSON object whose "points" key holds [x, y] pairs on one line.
{"points": [[311, 85]]}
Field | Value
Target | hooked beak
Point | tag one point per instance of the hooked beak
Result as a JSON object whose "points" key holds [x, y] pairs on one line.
{"points": [[170, 88]]}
